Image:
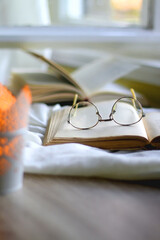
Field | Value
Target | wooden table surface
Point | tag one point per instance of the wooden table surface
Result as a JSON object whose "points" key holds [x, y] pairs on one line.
{"points": [[81, 209]]}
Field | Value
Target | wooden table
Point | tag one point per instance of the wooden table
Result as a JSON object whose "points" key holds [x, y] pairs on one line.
{"points": [[81, 209]]}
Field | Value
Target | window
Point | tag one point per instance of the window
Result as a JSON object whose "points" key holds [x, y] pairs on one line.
{"points": [[108, 13], [44, 22]]}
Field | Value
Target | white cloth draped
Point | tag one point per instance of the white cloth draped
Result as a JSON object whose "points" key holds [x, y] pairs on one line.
{"points": [[79, 160]]}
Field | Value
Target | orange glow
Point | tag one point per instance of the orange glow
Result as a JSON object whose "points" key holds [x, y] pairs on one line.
{"points": [[13, 113], [13, 116], [127, 5], [6, 98]]}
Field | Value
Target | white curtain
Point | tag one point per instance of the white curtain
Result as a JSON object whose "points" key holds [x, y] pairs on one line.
{"points": [[20, 13]]}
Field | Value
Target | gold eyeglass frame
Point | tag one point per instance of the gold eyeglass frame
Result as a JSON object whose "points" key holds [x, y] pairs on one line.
{"points": [[111, 118]]}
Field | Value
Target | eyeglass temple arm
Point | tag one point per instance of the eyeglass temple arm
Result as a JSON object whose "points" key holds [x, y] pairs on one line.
{"points": [[133, 93], [75, 99], [75, 103], [134, 98]]}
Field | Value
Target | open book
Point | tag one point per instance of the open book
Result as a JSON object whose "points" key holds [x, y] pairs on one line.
{"points": [[145, 80], [107, 135], [95, 81]]}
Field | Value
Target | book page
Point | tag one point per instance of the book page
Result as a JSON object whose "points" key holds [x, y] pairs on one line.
{"points": [[77, 57], [56, 68], [152, 125], [44, 85], [95, 76], [54, 98], [38, 77], [107, 129], [144, 74]]}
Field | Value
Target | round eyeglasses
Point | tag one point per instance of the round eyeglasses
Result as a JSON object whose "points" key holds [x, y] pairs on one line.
{"points": [[125, 111]]}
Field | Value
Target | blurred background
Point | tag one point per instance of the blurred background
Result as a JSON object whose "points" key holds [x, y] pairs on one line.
{"points": [[74, 12], [76, 32]]}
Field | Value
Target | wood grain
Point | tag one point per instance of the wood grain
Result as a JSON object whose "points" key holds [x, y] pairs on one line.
{"points": [[81, 208]]}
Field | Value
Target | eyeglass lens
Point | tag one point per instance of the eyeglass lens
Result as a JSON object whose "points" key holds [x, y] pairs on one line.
{"points": [[83, 115], [127, 111]]}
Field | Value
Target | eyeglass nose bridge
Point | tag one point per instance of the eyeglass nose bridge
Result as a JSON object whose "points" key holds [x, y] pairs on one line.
{"points": [[100, 119]]}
